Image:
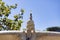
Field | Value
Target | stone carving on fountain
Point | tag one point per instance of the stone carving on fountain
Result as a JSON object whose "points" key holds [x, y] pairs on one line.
{"points": [[30, 32], [30, 29]]}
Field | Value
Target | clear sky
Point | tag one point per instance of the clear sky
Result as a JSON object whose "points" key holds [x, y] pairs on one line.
{"points": [[46, 13]]}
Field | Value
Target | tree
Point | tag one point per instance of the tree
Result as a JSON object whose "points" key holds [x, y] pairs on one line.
{"points": [[53, 29], [9, 24]]}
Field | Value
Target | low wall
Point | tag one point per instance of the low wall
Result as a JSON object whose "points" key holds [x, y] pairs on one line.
{"points": [[17, 35], [48, 36], [10, 35]]}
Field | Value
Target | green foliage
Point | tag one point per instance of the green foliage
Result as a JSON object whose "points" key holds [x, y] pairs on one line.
{"points": [[0, 0], [53, 29], [9, 24]]}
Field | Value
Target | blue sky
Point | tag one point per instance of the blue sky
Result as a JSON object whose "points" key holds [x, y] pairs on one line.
{"points": [[46, 13]]}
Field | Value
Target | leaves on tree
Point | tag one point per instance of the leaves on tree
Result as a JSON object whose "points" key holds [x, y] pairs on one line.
{"points": [[9, 24]]}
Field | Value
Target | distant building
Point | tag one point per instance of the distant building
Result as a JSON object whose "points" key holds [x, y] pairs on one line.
{"points": [[29, 34]]}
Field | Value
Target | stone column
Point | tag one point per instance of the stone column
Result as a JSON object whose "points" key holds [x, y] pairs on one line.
{"points": [[23, 35], [33, 35]]}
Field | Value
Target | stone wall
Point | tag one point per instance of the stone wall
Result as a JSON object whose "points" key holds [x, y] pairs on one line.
{"points": [[22, 36], [48, 37], [10, 37]]}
